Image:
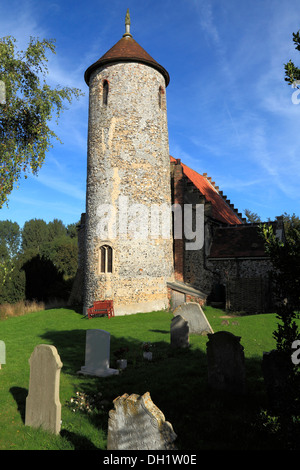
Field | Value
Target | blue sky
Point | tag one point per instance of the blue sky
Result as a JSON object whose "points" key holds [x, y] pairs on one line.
{"points": [[230, 113]]}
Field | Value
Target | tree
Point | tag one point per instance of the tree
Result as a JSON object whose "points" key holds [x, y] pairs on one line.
{"points": [[26, 111], [63, 252], [43, 280], [292, 73], [11, 277], [35, 233], [56, 229], [10, 238], [72, 230], [252, 217], [285, 258], [49, 246]]}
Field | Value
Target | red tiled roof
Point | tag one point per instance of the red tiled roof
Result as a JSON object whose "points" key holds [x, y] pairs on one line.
{"points": [[220, 209], [128, 50]]}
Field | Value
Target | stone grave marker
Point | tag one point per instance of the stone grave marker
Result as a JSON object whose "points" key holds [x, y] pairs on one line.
{"points": [[194, 314], [225, 361], [136, 423], [43, 408], [2, 353], [179, 332], [97, 354], [276, 368]]}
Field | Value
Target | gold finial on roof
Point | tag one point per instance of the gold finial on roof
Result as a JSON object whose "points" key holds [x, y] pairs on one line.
{"points": [[127, 25], [127, 17]]}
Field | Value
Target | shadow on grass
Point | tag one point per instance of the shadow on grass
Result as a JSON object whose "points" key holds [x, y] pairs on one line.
{"points": [[78, 441], [20, 394], [177, 382], [161, 331]]}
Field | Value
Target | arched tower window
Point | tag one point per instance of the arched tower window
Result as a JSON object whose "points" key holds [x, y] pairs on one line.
{"points": [[161, 98], [105, 259], [105, 92]]}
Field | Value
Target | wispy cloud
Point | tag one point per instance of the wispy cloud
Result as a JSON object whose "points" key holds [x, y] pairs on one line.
{"points": [[53, 181]]}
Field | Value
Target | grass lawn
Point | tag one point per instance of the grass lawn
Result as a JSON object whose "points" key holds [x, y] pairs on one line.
{"points": [[176, 380]]}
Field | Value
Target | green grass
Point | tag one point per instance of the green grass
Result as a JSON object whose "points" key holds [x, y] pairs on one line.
{"points": [[176, 380]]}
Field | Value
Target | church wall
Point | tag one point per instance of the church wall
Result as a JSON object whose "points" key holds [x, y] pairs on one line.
{"points": [[247, 285]]}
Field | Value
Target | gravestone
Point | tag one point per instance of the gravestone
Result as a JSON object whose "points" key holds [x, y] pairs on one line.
{"points": [[276, 368], [136, 423], [226, 362], [43, 408], [97, 354], [2, 353], [194, 314], [179, 332]]}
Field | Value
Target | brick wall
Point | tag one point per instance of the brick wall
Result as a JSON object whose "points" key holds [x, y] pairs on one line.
{"points": [[178, 198]]}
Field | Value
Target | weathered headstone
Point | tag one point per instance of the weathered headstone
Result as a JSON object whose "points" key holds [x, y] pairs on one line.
{"points": [[43, 408], [136, 423], [276, 368], [226, 362], [97, 354], [2, 353], [194, 314], [179, 332]]}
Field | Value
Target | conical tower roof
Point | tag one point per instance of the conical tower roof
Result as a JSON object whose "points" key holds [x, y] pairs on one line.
{"points": [[126, 50]]}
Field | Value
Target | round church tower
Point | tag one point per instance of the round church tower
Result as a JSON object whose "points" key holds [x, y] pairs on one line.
{"points": [[128, 239]]}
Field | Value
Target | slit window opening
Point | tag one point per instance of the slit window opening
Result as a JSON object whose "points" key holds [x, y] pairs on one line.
{"points": [[105, 92], [105, 259]]}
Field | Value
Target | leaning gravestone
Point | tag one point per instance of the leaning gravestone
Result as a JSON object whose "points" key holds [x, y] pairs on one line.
{"points": [[179, 332], [194, 314], [225, 361], [97, 354], [2, 353], [136, 423], [43, 408]]}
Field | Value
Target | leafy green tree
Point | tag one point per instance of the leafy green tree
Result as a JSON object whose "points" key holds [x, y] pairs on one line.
{"points": [[10, 238], [72, 230], [51, 246], [63, 252], [56, 228], [25, 113], [292, 73], [35, 234], [38, 262], [43, 280], [285, 258], [252, 217], [11, 277]]}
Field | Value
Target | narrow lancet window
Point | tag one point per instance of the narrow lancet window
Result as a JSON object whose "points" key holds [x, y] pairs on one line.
{"points": [[161, 98], [105, 93], [105, 259]]}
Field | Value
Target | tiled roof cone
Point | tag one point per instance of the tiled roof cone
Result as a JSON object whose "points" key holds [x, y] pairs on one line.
{"points": [[126, 50]]}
